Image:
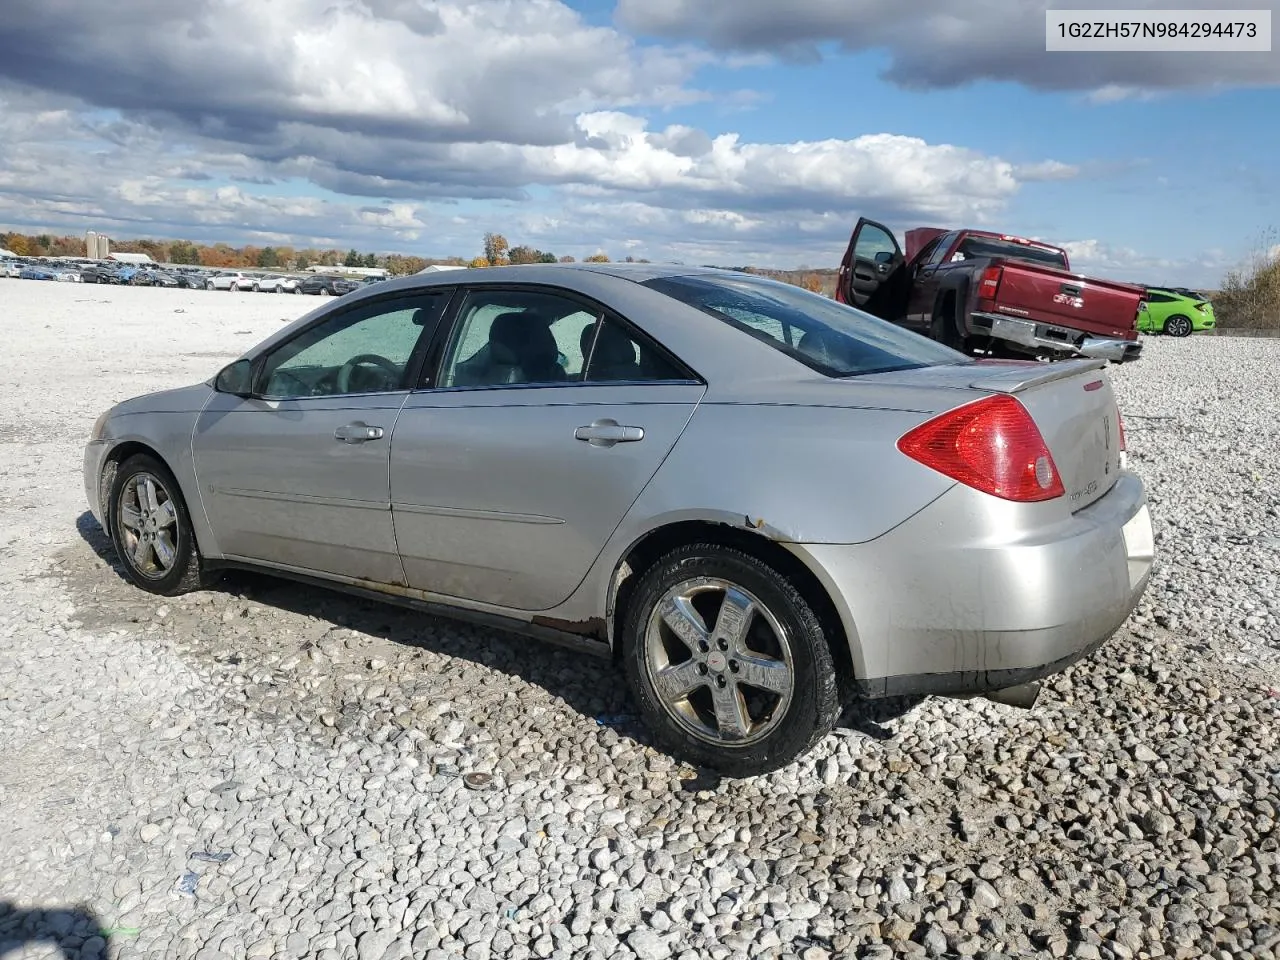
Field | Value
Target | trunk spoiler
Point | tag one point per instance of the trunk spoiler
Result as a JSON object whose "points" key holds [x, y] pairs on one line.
{"points": [[1023, 377]]}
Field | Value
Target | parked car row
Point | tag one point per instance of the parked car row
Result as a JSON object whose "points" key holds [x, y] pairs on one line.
{"points": [[177, 277]]}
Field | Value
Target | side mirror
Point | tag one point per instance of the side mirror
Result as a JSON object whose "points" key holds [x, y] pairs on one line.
{"points": [[884, 257], [235, 378]]}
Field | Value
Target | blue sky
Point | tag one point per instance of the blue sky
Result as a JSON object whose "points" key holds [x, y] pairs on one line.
{"points": [[723, 131]]}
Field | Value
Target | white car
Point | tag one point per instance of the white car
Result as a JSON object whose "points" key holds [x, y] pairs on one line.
{"points": [[233, 280], [274, 284]]}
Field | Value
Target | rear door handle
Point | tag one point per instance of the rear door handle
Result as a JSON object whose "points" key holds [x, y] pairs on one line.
{"points": [[358, 432], [605, 433]]}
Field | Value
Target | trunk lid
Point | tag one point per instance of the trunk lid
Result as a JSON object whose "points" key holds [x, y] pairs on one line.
{"points": [[1071, 401], [1102, 307]]}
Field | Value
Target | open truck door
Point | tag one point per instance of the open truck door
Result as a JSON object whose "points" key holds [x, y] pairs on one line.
{"points": [[871, 274]]}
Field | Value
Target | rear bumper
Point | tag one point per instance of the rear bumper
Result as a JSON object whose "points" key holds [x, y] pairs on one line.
{"points": [[951, 602], [1045, 336]]}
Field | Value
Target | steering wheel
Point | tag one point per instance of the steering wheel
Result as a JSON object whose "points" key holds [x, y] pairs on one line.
{"points": [[347, 369]]}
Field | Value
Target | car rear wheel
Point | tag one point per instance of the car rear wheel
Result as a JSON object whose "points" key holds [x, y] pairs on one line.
{"points": [[728, 663], [1178, 326], [151, 528]]}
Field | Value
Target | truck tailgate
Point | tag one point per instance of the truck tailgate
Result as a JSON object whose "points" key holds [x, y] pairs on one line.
{"points": [[1101, 307]]}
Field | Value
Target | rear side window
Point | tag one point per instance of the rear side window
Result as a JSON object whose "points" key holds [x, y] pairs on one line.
{"points": [[829, 337], [943, 245]]}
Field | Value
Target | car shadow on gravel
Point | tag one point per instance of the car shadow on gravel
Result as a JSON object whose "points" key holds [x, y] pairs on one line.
{"points": [[591, 686], [74, 931]]}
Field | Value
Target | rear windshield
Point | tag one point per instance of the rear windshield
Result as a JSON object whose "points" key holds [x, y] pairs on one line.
{"points": [[972, 247], [830, 337]]}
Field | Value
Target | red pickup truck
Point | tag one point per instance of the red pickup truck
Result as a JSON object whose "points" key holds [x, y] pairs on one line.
{"points": [[989, 292]]}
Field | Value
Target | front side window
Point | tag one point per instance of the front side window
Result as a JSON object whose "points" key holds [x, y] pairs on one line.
{"points": [[509, 337], [832, 338], [366, 349], [875, 244]]}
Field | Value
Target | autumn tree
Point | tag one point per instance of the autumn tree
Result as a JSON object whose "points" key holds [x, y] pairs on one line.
{"points": [[479, 262], [495, 249], [812, 282], [16, 243], [524, 254], [596, 258], [567, 259], [183, 251]]}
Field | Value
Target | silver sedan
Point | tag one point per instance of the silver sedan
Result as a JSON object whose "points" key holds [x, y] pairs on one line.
{"points": [[762, 502]]}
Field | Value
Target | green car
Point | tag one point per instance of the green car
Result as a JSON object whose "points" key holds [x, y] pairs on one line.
{"points": [[1176, 313]]}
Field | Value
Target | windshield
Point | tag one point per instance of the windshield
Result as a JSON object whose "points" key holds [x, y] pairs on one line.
{"points": [[834, 339], [972, 247]]}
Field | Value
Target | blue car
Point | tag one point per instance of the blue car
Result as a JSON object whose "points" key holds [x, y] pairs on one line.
{"points": [[36, 271]]}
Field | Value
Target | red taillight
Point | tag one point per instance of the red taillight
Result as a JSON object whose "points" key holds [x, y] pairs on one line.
{"points": [[990, 283], [992, 445]]}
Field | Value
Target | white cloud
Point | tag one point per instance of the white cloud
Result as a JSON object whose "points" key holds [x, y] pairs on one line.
{"points": [[419, 124], [940, 43], [1124, 263]]}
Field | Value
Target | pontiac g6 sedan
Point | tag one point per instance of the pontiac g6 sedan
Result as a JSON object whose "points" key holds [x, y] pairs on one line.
{"points": [[761, 501]]}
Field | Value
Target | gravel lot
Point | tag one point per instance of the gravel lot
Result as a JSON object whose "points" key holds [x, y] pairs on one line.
{"points": [[265, 770]]}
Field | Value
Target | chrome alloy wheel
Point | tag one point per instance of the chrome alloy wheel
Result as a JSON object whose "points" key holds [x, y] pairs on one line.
{"points": [[148, 524], [719, 661]]}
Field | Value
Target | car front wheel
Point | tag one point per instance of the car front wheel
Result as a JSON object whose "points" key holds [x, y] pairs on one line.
{"points": [[728, 663], [151, 528]]}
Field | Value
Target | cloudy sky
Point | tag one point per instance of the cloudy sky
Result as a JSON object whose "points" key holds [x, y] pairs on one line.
{"points": [[703, 131]]}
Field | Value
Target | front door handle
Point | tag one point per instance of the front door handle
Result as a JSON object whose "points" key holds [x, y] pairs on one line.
{"points": [[358, 432], [605, 433]]}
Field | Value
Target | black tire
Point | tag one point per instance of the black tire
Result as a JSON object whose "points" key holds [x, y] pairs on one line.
{"points": [[814, 702], [186, 573], [945, 330], [1178, 326]]}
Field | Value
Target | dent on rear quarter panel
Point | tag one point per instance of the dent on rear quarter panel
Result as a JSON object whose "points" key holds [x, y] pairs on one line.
{"points": [[796, 474]]}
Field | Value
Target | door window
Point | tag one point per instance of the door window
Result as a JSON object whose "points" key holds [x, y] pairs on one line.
{"points": [[508, 337], [943, 245], [365, 349], [875, 243], [617, 356]]}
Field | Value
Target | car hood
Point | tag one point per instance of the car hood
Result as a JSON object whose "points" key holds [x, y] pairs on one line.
{"points": [[180, 400]]}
